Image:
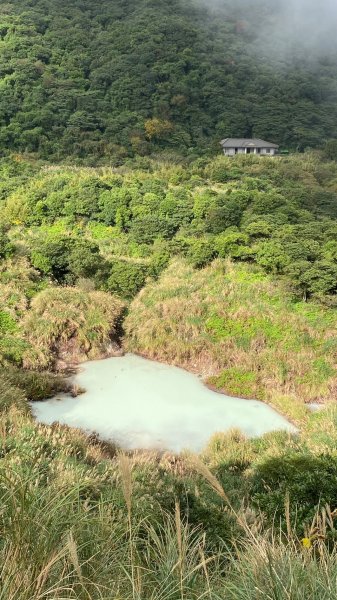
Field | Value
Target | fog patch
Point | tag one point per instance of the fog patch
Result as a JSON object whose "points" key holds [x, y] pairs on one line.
{"points": [[281, 28]]}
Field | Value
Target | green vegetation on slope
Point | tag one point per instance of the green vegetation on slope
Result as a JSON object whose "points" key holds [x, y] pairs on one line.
{"points": [[280, 214], [227, 267], [112, 231], [107, 80], [242, 331]]}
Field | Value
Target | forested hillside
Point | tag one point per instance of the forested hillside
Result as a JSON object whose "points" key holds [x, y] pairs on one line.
{"points": [[109, 79]]}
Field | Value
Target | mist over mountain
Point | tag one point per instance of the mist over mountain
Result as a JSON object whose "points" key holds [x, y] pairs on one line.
{"points": [[97, 80], [309, 24], [285, 27]]}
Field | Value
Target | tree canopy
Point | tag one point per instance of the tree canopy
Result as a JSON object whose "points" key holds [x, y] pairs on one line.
{"points": [[102, 80]]}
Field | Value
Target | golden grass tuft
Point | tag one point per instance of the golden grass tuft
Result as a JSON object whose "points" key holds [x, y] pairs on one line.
{"points": [[70, 324], [196, 464]]}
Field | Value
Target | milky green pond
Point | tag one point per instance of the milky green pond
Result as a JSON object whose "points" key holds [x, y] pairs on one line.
{"points": [[139, 403]]}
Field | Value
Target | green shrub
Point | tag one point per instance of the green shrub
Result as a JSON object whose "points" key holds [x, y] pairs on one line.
{"points": [[35, 386], [85, 261], [159, 262], [233, 244], [307, 480], [201, 253], [114, 202], [177, 207], [145, 229], [258, 229], [223, 169], [50, 256], [67, 258], [272, 256], [126, 278], [6, 248], [226, 212], [330, 149]]}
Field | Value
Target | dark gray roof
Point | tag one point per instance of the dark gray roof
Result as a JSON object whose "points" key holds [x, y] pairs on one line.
{"points": [[246, 143]]}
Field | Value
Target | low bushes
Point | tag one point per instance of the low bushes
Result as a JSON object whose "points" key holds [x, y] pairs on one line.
{"points": [[35, 386], [126, 278], [306, 480], [18, 387], [66, 258], [6, 248]]}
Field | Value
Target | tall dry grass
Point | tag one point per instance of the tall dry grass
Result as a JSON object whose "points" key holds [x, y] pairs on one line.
{"points": [[73, 526], [69, 323]]}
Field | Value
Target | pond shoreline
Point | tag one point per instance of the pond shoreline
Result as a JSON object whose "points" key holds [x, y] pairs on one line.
{"points": [[140, 403], [216, 390], [74, 369]]}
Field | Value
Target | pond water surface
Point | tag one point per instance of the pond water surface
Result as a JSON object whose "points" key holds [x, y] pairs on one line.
{"points": [[139, 403]]}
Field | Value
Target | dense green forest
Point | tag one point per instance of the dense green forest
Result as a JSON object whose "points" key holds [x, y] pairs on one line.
{"points": [[110, 79]]}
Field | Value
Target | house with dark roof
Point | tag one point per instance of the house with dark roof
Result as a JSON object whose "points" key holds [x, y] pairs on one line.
{"points": [[232, 146]]}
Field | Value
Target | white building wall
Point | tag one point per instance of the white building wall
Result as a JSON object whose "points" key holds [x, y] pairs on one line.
{"points": [[263, 151], [268, 151]]}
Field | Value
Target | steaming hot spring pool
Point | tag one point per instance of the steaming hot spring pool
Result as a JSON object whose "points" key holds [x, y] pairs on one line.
{"points": [[139, 403]]}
